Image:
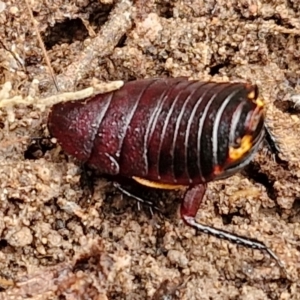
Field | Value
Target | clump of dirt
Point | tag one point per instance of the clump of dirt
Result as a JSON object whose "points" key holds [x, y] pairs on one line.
{"points": [[59, 241]]}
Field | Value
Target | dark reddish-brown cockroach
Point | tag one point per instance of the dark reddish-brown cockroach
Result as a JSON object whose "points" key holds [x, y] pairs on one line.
{"points": [[169, 134]]}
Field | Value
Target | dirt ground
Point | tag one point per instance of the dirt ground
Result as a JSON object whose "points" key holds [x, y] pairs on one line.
{"points": [[60, 242]]}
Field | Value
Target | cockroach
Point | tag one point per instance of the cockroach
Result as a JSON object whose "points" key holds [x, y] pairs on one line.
{"points": [[169, 134]]}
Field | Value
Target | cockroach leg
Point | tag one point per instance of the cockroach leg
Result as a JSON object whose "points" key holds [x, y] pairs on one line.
{"points": [[192, 201], [189, 208], [271, 141], [138, 199], [273, 145]]}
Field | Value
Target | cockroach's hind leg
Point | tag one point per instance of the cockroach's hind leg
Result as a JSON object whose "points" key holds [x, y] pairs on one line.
{"points": [[138, 199], [189, 208], [192, 200], [234, 238]]}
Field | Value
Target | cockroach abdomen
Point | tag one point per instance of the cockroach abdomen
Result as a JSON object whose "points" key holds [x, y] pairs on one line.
{"points": [[75, 124]]}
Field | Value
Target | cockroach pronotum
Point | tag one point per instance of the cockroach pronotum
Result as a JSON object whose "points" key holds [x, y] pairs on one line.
{"points": [[168, 134]]}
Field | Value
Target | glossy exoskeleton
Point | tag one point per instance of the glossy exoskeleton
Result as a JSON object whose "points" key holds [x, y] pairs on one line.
{"points": [[169, 134]]}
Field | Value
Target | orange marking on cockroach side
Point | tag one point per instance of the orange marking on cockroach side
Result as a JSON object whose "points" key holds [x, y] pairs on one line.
{"points": [[251, 95], [237, 153], [260, 103], [158, 185], [217, 170]]}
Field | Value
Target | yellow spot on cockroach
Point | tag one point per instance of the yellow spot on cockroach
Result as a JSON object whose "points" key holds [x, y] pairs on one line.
{"points": [[158, 185], [260, 103], [251, 95], [237, 153]]}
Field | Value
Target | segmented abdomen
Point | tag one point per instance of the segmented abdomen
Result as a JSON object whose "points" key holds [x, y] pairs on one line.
{"points": [[165, 130]]}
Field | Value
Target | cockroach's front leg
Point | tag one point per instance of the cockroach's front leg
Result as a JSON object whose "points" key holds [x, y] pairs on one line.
{"points": [[189, 208], [271, 141]]}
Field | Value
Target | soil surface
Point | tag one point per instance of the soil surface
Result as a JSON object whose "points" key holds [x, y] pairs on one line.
{"points": [[59, 241]]}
